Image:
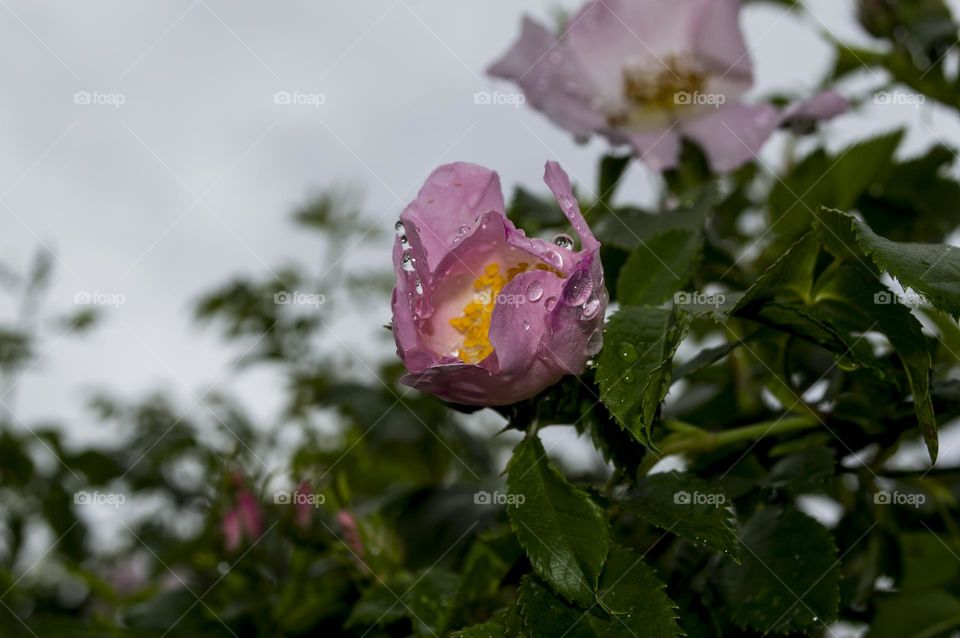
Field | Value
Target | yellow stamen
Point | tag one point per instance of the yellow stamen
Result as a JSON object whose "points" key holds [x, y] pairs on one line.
{"points": [[474, 323]]}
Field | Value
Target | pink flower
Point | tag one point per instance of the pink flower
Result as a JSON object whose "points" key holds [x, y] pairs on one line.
{"points": [[483, 314], [647, 73], [351, 532], [244, 520]]}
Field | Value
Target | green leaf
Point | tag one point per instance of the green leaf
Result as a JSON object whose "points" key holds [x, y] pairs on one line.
{"points": [[687, 506], [634, 369], [931, 269], [630, 588], [561, 529], [612, 168], [803, 472], [928, 561], [492, 629], [789, 577], [423, 598], [925, 614], [547, 616], [821, 180], [659, 267]]}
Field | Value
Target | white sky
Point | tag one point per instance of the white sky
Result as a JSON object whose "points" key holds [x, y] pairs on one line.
{"points": [[192, 179]]}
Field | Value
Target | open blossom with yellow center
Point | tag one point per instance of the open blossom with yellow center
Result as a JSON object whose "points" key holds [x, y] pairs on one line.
{"points": [[483, 314], [474, 323]]}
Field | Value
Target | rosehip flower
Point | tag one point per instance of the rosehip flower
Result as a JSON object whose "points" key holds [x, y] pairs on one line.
{"points": [[483, 314], [647, 73], [244, 520]]}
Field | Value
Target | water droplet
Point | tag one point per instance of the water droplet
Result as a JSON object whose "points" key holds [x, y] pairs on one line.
{"points": [[627, 352], [550, 303], [628, 378], [578, 289], [525, 324], [534, 290], [407, 262], [595, 342], [567, 204], [404, 243], [463, 230], [554, 258], [590, 309], [564, 241], [419, 287], [399, 228]]}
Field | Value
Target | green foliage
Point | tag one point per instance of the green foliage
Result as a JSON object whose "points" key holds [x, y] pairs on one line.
{"points": [[752, 341]]}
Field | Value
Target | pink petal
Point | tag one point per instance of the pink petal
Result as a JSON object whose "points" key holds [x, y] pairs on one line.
{"points": [[824, 106], [232, 534], [559, 184], [251, 518], [450, 200], [551, 78], [732, 135], [659, 150], [718, 41]]}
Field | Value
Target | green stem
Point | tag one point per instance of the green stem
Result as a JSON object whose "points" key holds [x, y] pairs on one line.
{"points": [[689, 439]]}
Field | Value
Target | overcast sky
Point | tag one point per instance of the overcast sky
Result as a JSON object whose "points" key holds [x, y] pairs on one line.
{"points": [[183, 170]]}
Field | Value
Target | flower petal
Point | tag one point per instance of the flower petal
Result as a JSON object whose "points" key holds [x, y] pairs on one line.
{"points": [[659, 150], [824, 106], [718, 42], [551, 78], [559, 184], [734, 134], [449, 202]]}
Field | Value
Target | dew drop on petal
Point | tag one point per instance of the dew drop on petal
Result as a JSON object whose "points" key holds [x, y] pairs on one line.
{"points": [[578, 289], [564, 241], [534, 290], [407, 262], [554, 258], [463, 230], [566, 203], [627, 352], [550, 303], [590, 309], [400, 229], [404, 243], [525, 325], [595, 342], [419, 287]]}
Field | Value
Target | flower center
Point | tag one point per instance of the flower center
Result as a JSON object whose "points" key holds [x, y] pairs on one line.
{"points": [[671, 84], [474, 323]]}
